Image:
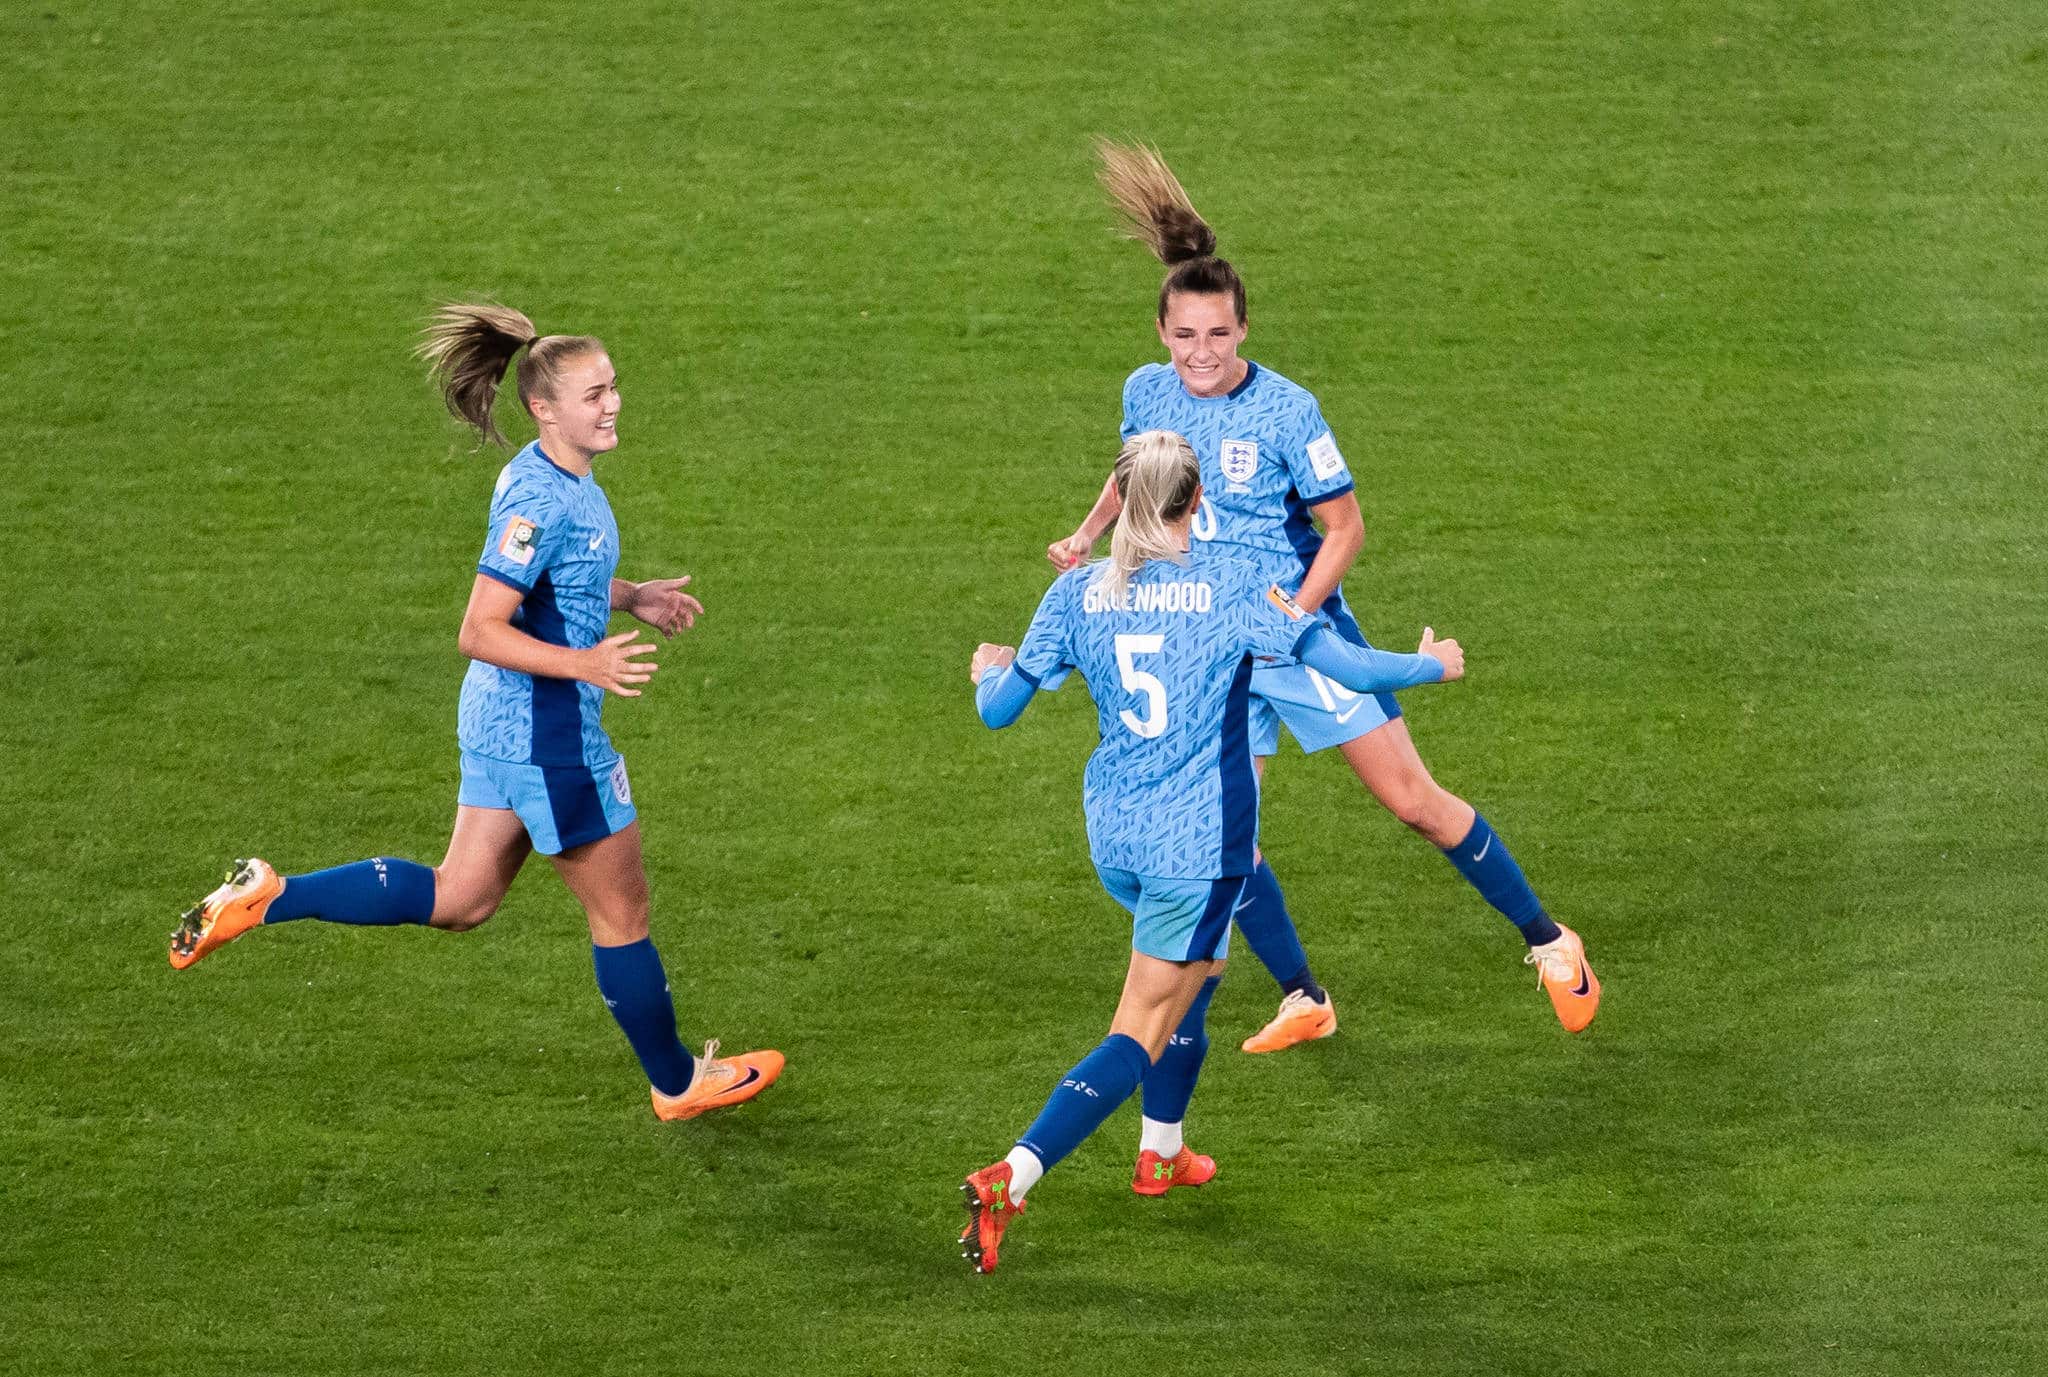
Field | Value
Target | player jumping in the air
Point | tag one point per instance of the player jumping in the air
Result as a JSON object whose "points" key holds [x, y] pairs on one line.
{"points": [[1270, 472], [538, 771], [1167, 641]]}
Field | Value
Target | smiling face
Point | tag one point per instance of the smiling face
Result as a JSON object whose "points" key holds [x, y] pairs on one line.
{"points": [[581, 418], [1202, 332]]}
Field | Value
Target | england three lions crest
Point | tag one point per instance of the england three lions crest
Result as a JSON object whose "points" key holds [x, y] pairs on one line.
{"points": [[1240, 460]]}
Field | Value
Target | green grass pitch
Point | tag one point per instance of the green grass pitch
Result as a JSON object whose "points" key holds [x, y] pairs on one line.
{"points": [[1691, 358]]}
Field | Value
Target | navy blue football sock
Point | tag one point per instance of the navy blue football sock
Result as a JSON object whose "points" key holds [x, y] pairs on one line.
{"points": [[373, 893], [635, 990], [1086, 1096], [1170, 1084], [1262, 917], [1483, 859]]}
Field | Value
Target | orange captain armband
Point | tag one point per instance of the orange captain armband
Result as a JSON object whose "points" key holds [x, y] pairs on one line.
{"points": [[1279, 598]]}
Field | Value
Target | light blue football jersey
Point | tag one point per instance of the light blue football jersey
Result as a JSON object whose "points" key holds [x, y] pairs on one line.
{"points": [[553, 538], [1170, 791], [1267, 456]]}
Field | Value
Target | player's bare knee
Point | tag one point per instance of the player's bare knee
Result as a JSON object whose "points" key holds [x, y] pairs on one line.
{"points": [[617, 927], [457, 909], [1413, 801]]}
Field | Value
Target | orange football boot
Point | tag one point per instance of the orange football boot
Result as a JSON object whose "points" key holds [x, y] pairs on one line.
{"points": [[1300, 1019], [1574, 990], [1157, 1175], [222, 916], [986, 1194], [718, 1082]]}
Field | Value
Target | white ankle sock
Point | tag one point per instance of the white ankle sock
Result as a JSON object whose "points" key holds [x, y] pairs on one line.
{"points": [[1025, 1169], [1163, 1139]]}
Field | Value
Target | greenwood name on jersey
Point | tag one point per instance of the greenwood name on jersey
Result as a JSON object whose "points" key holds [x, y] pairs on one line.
{"points": [[552, 537], [1170, 790]]}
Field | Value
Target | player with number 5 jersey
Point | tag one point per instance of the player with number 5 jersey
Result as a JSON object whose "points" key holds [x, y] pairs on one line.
{"points": [[1280, 494], [1168, 641]]}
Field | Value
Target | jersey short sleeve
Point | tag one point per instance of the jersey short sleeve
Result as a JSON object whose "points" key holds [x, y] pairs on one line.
{"points": [[1047, 651], [528, 527], [1313, 460]]}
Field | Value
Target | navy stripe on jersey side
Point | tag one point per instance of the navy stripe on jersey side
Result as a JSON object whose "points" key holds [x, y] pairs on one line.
{"points": [[1215, 919], [1300, 528], [578, 811], [1342, 622], [557, 705], [1240, 785]]}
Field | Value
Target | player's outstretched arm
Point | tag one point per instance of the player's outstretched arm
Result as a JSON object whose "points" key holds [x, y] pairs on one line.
{"points": [[1365, 670], [1001, 693], [1074, 550], [487, 634], [661, 603]]}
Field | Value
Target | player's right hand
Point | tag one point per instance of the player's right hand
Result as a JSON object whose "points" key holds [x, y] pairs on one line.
{"points": [[1066, 554], [988, 656], [613, 665], [1449, 653]]}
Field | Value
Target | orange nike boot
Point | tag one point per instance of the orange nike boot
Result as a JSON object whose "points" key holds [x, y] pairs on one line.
{"points": [[1300, 1019], [719, 1081], [1573, 988], [231, 910]]}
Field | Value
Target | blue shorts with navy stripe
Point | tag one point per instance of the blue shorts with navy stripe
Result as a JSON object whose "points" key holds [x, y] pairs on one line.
{"points": [[562, 806], [1319, 712], [1176, 920]]}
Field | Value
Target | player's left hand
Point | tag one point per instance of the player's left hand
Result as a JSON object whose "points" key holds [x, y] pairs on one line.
{"points": [[663, 605], [1448, 653], [990, 656]]}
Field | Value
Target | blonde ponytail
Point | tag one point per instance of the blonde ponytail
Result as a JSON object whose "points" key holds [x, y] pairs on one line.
{"points": [[468, 345], [1157, 476]]}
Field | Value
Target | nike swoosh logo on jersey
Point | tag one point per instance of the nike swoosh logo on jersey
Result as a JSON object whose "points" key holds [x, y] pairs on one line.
{"points": [[1350, 712], [1482, 850], [597, 540]]}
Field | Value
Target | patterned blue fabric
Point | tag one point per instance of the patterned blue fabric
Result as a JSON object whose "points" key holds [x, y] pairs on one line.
{"points": [[1170, 791], [553, 538], [1267, 456], [1176, 920]]}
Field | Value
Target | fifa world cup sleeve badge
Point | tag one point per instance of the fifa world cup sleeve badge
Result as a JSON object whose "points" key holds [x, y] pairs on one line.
{"points": [[521, 537]]}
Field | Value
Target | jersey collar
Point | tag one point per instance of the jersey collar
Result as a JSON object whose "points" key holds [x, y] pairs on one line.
{"points": [[578, 478]]}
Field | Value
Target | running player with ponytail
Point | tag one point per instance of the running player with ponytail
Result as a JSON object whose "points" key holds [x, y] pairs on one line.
{"points": [[1166, 639], [1272, 472], [538, 771]]}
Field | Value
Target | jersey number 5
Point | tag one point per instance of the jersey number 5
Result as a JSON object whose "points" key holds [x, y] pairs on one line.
{"points": [[1128, 648]]}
